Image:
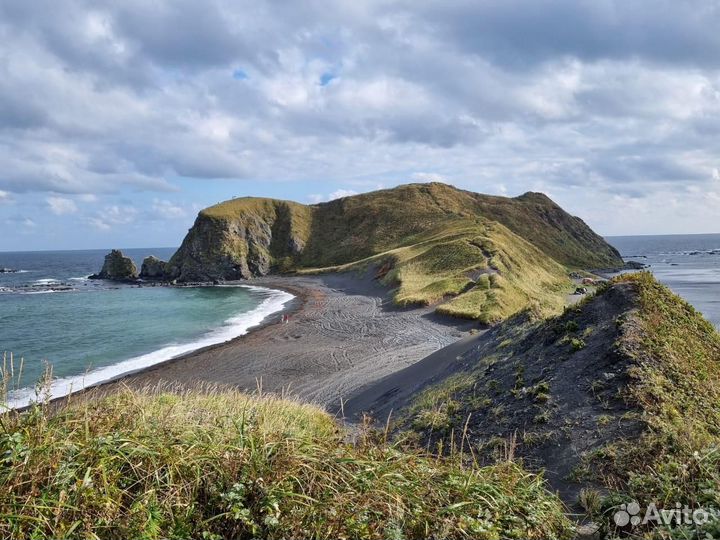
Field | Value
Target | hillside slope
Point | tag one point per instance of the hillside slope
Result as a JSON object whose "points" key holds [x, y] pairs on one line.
{"points": [[620, 393], [480, 256], [215, 465]]}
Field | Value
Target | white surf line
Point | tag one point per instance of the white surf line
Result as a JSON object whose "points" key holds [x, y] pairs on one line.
{"points": [[233, 327]]}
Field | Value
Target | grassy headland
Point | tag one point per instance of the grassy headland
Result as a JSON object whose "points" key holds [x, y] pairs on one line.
{"points": [[476, 256]]}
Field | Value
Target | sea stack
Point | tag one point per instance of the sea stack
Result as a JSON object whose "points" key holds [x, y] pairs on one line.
{"points": [[117, 267], [153, 268]]}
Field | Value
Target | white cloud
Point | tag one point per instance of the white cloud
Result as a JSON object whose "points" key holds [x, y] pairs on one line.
{"points": [[168, 210], [29, 223], [5, 196], [428, 177], [337, 194], [340, 193], [119, 214], [113, 216], [98, 223], [120, 104], [61, 206]]}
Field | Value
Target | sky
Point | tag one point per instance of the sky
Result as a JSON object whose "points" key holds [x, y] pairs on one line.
{"points": [[119, 121]]}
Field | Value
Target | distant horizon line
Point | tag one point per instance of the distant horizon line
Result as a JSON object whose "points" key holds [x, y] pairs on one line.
{"points": [[85, 249], [177, 247]]}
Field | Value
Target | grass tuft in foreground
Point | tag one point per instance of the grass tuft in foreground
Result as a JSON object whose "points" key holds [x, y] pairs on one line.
{"points": [[148, 464]]}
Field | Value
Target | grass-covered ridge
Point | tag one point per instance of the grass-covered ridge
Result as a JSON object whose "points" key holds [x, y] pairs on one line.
{"points": [[618, 397], [675, 385], [477, 270], [478, 256], [143, 464]]}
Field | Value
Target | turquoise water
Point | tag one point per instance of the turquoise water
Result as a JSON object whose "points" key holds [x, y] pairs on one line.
{"points": [[92, 331]]}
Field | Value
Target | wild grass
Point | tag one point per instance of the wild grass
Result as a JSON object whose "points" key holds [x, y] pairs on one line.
{"points": [[675, 387], [476, 271], [221, 464], [361, 226], [660, 424], [434, 409], [522, 277]]}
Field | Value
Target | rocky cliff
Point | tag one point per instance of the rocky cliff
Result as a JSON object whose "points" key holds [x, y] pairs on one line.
{"points": [[249, 237], [240, 239]]}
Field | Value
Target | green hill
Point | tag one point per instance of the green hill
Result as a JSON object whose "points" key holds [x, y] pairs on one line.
{"points": [[475, 255]]}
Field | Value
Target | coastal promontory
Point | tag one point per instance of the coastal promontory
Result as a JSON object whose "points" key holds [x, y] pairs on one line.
{"points": [[473, 255]]}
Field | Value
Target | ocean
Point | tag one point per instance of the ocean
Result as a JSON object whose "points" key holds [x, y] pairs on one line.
{"points": [[92, 331], [688, 264]]}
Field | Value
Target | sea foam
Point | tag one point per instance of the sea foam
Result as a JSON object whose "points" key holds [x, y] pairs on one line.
{"points": [[234, 327]]}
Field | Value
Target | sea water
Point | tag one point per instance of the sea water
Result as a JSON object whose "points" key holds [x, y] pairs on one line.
{"points": [[91, 331], [688, 264]]}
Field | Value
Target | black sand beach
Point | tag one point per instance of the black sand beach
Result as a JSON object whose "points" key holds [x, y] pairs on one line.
{"points": [[343, 334]]}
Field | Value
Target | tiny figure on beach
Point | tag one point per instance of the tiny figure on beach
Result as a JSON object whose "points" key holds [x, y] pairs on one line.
{"points": [[285, 318]]}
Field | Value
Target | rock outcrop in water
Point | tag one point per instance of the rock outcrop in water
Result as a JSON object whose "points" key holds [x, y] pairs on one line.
{"points": [[153, 268], [117, 267]]}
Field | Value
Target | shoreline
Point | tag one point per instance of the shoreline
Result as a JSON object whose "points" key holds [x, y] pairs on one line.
{"points": [[67, 383], [344, 333]]}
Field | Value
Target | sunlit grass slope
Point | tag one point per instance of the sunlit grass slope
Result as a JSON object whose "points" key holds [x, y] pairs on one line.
{"points": [[226, 465], [473, 269]]}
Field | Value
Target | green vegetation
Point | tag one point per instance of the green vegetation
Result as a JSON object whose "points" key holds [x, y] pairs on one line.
{"points": [[675, 382], [641, 397], [226, 465], [482, 272], [475, 256], [631, 376], [434, 409]]}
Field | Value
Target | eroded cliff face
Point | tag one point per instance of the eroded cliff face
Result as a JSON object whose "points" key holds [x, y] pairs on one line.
{"points": [[241, 239]]}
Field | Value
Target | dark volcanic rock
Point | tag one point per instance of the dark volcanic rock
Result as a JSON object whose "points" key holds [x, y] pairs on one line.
{"points": [[117, 267], [153, 268], [634, 265]]}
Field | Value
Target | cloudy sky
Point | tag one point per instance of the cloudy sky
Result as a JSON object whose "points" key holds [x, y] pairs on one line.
{"points": [[119, 120]]}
